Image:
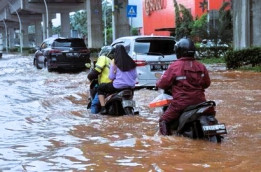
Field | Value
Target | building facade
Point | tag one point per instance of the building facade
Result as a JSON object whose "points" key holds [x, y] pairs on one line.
{"points": [[159, 15]]}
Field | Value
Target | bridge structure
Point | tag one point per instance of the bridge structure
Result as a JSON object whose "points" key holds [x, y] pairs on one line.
{"points": [[20, 14]]}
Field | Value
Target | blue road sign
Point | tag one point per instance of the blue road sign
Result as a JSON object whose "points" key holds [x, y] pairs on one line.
{"points": [[132, 11]]}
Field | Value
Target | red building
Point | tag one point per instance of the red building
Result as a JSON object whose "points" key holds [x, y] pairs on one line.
{"points": [[159, 15]]}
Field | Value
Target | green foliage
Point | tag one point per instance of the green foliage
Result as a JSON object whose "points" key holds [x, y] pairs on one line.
{"points": [[134, 31], [107, 16], [244, 57], [56, 30], [220, 29], [255, 68], [109, 35], [78, 22], [184, 21], [199, 28]]}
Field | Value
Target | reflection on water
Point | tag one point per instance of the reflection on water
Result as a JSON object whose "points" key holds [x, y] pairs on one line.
{"points": [[45, 126]]}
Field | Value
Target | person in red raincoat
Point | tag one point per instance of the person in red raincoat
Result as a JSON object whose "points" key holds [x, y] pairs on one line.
{"points": [[187, 79]]}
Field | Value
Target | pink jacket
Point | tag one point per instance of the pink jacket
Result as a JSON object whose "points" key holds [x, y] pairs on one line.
{"points": [[188, 79]]}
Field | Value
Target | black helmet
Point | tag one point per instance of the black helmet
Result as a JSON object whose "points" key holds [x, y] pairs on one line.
{"points": [[185, 48]]}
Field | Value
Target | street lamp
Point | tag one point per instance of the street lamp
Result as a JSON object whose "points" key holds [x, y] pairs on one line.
{"points": [[20, 27], [47, 19]]}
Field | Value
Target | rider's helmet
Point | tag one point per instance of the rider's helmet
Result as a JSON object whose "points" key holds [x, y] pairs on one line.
{"points": [[185, 48]]}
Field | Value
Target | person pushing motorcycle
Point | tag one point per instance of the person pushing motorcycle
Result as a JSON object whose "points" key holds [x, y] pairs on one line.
{"points": [[187, 79]]}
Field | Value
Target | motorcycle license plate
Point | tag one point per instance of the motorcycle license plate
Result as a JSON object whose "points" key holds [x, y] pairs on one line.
{"points": [[128, 103], [214, 129]]}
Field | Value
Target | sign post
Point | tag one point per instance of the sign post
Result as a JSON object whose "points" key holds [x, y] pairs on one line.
{"points": [[131, 12]]}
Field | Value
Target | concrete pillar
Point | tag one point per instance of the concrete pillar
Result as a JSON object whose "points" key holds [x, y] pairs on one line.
{"points": [[11, 37], [65, 25], [121, 20], [256, 23], [94, 23], [25, 36], [241, 23], [38, 33]]}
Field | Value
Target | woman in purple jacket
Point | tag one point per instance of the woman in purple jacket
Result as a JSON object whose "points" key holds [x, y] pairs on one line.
{"points": [[122, 73]]}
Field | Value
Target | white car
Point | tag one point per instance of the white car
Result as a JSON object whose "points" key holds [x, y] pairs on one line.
{"points": [[152, 55]]}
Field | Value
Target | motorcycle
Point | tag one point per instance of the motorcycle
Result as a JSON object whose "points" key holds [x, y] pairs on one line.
{"points": [[116, 104], [199, 122], [121, 103]]}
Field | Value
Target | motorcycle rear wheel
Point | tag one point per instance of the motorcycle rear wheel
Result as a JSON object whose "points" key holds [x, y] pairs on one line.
{"points": [[129, 110]]}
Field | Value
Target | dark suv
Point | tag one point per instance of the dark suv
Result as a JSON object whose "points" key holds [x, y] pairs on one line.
{"points": [[65, 53]]}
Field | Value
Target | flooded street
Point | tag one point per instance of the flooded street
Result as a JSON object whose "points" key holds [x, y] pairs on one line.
{"points": [[45, 126]]}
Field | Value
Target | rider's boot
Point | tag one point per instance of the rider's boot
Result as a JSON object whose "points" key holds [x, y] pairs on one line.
{"points": [[164, 129]]}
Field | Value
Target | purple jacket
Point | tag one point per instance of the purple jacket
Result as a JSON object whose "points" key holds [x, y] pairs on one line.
{"points": [[122, 79]]}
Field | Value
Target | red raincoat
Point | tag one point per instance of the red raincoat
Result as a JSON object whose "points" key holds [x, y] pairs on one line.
{"points": [[187, 78]]}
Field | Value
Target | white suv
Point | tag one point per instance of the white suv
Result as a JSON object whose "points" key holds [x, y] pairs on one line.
{"points": [[152, 55]]}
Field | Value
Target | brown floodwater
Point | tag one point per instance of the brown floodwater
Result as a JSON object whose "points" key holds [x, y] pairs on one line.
{"points": [[45, 126]]}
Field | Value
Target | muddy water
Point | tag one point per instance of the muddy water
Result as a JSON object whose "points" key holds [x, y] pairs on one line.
{"points": [[45, 126]]}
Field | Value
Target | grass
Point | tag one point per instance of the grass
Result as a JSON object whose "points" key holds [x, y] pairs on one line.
{"points": [[249, 68], [212, 60]]}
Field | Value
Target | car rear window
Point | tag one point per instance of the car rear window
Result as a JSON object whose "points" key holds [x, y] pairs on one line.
{"points": [[69, 43], [164, 47]]}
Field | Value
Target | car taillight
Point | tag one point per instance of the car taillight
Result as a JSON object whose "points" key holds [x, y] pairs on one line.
{"points": [[84, 51], [140, 62], [54, 51]]}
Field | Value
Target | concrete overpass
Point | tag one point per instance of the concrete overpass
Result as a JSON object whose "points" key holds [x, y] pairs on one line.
{"points": [[19, 14]]}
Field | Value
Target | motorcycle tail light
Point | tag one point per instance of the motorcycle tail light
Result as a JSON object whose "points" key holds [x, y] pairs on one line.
{"points": [[210, 110], [54, 51], [84, 51]]}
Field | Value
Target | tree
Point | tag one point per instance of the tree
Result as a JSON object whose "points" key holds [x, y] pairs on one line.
{"points": [[199, 29], [56, 30], [220, 31], [107, 16], [78, 22], [183, 21]]}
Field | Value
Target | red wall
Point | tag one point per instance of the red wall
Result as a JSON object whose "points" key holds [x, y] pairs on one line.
{"points": [[165, 18]]}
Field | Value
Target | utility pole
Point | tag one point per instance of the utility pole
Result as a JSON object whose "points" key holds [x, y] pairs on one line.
{"points": [[113, 22]]}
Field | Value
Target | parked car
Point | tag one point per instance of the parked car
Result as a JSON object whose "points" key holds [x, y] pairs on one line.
{"points": [[62, 53], [210, 43], [152, 55], [105, 51]]}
